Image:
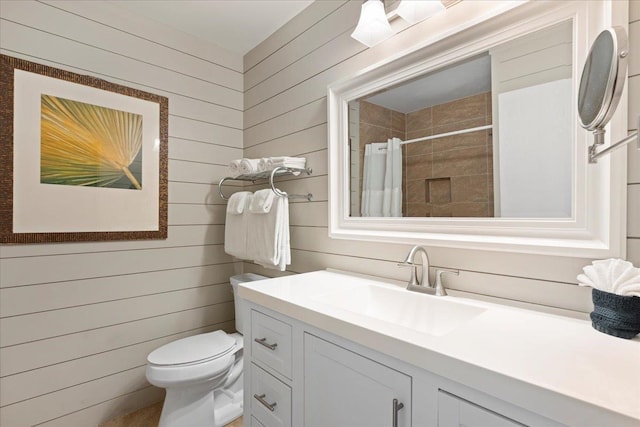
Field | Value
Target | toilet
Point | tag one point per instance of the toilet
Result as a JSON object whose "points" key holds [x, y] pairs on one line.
{"points": [[202, 373]]}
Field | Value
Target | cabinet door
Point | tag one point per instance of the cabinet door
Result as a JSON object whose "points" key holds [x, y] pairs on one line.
{"points": [[456, 412], [342, 388]]}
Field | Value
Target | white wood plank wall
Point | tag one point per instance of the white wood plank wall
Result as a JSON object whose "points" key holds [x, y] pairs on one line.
{"points": [[285, 114], [78, 320]]}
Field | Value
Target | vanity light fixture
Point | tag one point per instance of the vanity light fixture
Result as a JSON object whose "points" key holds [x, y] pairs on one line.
{"points": [[414, 11], [373, 26]]}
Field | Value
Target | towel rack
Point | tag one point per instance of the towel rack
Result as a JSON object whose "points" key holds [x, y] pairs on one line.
{"points": [[277, 171]]}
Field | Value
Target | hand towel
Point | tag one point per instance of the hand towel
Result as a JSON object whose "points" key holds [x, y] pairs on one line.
{"points": [[234, 168], [235, 228], [615, 276], [268, 231], [248, 166], [262, 201]]}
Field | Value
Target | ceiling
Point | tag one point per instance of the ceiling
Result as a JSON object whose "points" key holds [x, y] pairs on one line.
{"points": [[457, 81], [236, 25]]}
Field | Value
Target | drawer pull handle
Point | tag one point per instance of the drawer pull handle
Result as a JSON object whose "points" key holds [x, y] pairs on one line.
{"points": [[269, 406], [396, 407], [263, 342]]}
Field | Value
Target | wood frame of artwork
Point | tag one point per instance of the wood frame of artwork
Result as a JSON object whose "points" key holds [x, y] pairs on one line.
{"points": [[81, 158]]}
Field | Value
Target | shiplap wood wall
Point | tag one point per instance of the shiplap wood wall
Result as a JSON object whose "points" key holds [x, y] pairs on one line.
{"points": [[78, 320], [285, 114]]}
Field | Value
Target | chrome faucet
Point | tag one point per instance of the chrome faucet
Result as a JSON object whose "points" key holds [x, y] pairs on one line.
{"points": [[422, 284]]}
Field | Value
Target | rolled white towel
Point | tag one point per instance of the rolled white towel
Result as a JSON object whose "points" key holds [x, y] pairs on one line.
{"points": [[234, 168], [248, 166], [612, 275], [290, 162], [263, 164]]}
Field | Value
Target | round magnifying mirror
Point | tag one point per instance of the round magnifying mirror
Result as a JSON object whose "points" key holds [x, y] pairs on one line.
{"points": [[602, 78]]}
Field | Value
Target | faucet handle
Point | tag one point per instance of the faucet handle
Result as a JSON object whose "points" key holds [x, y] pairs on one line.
{"points": [[413, 280], [440, 291]]}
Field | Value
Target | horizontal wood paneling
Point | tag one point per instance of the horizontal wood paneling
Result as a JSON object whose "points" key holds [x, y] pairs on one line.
{"points": [[110, 409], [19, 38], [307, 116], [52, 296], [322, 32], [78, 320], [186, 235], [338, 49], [307, 140], [16, 388], [64, 401], [51, 19], [633, 250], [123, 20], [55, 350], [634, 10], [633, 209], [55, 268], [296, 26]]}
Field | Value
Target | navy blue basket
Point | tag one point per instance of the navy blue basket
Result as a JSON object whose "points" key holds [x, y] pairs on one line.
{"points": [[616, 315]]}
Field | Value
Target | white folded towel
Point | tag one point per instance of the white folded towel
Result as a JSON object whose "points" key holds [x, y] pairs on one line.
{"points": [[234, 168], [235, 228], [268, 230], [262, 201], [290, 162], [616, 276], [248, 166]]}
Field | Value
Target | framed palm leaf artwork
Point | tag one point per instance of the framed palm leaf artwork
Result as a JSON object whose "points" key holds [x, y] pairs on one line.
{"points": [[81, 159]]}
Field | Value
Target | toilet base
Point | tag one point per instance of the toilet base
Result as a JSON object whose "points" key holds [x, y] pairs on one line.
{"points": [[200, 406]]}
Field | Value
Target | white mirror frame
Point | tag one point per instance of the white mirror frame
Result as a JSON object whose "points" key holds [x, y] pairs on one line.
{"points": [[598, 226]]}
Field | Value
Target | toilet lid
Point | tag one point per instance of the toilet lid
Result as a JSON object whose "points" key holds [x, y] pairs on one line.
{"points": [[192, 349]]}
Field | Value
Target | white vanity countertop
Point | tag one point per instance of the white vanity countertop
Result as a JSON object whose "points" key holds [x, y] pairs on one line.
{"points": [[558, 354]]}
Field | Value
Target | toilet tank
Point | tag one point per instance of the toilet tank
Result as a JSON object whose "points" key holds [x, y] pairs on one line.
{"points": [[239, 305]]}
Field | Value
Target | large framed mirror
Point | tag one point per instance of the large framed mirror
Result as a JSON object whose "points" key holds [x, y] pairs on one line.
{"points": [[474, 141]]}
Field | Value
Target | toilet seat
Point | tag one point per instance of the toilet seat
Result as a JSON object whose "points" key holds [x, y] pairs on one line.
{"points": [[200, 358], [193, 350]]}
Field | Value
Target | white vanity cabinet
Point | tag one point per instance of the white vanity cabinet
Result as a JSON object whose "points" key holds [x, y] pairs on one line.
{"points": [[342, 388], [299, 375]]}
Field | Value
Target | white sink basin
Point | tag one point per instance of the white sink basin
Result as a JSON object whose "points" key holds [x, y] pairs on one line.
{"points": [[423, 313]]}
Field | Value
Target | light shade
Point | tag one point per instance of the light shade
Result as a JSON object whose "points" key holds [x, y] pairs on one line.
{"points": [[373, 26], [414, 11]]}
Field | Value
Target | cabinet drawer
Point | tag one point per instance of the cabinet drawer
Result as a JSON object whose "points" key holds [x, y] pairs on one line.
{"points": [[270, 399], [454, 411], [271, 342], [256, 423]]}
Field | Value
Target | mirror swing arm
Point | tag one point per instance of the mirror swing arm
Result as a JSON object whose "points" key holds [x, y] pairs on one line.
{"points": [[594, 154]]}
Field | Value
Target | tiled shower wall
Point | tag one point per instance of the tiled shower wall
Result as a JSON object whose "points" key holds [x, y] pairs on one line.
{"points": [[450, 176], [445, 177]]}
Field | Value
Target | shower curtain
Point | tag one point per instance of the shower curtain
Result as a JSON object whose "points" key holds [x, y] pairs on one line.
{"points": [[382, 179]]}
